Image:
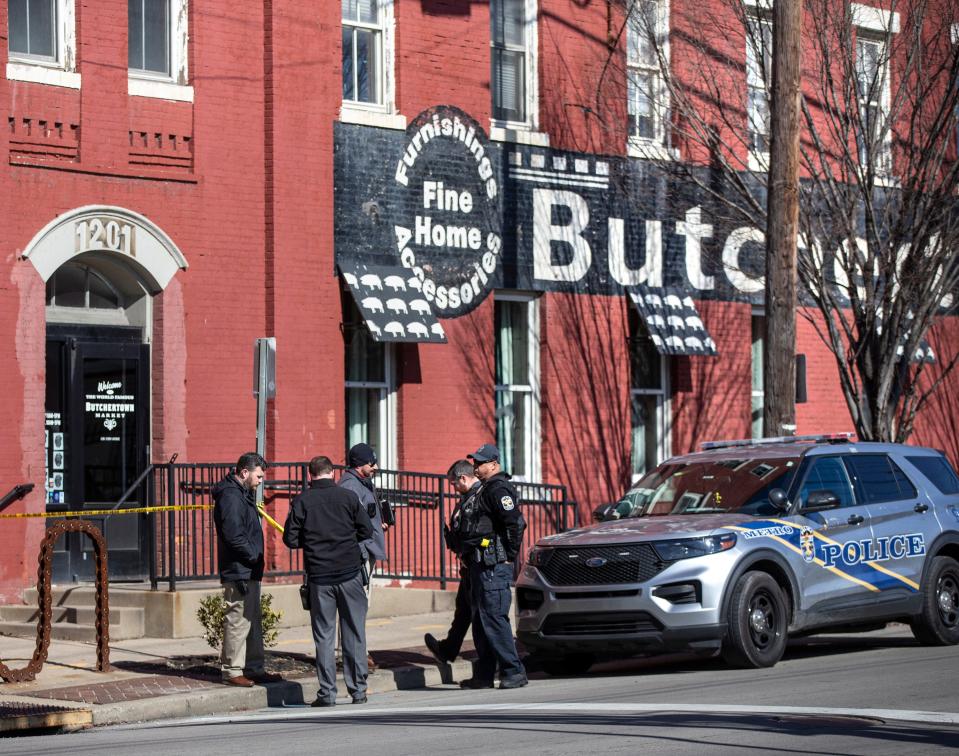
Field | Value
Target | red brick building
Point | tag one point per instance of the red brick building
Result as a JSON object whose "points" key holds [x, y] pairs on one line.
{"points": [[179, 178]]}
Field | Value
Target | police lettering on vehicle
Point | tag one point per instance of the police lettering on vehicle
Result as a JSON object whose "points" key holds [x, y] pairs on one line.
{"points": [[775, 530], [873, 550]]}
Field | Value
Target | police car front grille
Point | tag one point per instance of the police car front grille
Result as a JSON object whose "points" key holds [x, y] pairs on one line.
{"points": [[611, 623], [627, 563]]}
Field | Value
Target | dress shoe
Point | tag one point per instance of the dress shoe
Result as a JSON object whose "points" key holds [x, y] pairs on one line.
{"points": [[436, 648], [360, 700], [239, 681], [265, 677], [322, 703], [473, 683], [513, 681]]}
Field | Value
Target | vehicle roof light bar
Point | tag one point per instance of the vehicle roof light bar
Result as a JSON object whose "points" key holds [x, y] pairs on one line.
{"points": [[823, 438]]}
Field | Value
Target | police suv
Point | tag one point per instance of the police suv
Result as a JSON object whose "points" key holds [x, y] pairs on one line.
{"points": [[735, 547]]}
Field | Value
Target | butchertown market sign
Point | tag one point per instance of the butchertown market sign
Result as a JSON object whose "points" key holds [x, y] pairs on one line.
{"points": [[463, 216]]}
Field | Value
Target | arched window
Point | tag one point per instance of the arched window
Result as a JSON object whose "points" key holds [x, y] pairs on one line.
{"points": [[77, 285]]}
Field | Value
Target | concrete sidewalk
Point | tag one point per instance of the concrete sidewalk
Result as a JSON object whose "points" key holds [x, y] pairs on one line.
{"points": [[153, 678]]}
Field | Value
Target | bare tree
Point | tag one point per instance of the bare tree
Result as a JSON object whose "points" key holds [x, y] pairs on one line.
{"points": [[878, 226]]}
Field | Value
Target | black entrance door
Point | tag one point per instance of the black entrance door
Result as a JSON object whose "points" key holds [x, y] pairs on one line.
{"points": [[100, 380]]}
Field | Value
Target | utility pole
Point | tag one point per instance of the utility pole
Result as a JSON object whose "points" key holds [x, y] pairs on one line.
{"points": [[782, 223]]}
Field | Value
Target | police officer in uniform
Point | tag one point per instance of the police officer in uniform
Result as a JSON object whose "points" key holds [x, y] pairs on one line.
{"points": [[491, 530], [462, 478]]}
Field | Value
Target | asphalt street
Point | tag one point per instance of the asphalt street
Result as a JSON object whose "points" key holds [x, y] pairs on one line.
{"points": [[877, 693]]}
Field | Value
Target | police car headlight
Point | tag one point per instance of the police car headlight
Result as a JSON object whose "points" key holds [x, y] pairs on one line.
{"points": [[687, 548], [538, 557]]}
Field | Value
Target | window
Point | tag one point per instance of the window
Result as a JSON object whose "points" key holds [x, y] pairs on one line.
{"points": [[647, 390], [758, 388], [879, 478], [33, 28], [517, 392], [939, 472], [157, 39], [645, 40], [872, 90], [513, 75], [149, 36], [42, 40], [77, 285], [364, 23], [828, 474], [759, 48], [369, 387]]}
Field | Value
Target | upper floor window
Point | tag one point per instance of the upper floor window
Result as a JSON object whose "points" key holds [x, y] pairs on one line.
{"points": [[513, 45], [759, 49], [872, 92], [363, 45], [150, 36], [646, 35], [33, 28], [517, 371]]}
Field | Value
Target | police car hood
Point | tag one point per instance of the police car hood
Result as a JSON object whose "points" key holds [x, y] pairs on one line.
{"points": [[642, 528]]}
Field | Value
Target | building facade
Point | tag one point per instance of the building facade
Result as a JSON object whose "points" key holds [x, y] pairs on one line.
{"points": [[449, 214]]}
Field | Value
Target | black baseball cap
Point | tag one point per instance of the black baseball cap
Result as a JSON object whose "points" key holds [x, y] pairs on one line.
{"points": [[361, 454], [486, 453]]}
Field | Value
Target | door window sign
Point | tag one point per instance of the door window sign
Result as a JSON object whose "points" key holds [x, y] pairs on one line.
{"points": [[109, 406]]}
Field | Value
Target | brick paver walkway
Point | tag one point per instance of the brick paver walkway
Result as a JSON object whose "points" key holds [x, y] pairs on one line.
{"points": [[132, 689]]}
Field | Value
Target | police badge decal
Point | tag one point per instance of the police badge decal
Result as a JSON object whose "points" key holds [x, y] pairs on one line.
{"points": [[807, 544]]}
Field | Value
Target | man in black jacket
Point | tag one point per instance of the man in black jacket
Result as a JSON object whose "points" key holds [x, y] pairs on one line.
{"points": [[328, 523], [240, 558]]}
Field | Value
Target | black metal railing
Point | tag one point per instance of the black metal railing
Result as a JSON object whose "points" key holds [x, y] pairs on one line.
{"points": [[184, 544]]}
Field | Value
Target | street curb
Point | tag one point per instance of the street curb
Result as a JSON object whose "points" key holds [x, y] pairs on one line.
{"points": [[289, 693]]}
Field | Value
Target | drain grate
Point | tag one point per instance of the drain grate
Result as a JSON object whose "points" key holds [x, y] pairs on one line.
{"points": [[18, 715]]}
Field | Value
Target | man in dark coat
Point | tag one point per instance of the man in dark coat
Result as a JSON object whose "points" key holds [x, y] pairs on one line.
{"points": [[328, 523], [240, 556]]}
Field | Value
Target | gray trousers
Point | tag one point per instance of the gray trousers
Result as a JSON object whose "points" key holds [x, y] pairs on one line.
{"points": [[242, 630], [349, 600]]}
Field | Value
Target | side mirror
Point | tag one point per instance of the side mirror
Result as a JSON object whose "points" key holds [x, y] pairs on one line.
{"points": [[605, 512], [820, 500], [777, 497]]}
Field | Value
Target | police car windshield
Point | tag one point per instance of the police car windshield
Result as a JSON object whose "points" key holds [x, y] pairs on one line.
{"points": [[709, 487]]}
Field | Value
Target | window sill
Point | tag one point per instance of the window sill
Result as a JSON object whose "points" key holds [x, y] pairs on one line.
{"points": [[649, 150], [368, 117], [160, 90], [518, 134], [38, 73], [758, 161]]}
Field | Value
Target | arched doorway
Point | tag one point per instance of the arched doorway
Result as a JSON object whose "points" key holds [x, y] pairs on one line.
{"points": [[102, 267]]}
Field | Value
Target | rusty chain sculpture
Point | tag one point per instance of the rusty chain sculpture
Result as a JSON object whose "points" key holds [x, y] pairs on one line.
{"points": [[45, 600]]}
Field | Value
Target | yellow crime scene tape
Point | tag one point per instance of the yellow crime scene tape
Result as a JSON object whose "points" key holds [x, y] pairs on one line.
{"points": [[131, 510]]}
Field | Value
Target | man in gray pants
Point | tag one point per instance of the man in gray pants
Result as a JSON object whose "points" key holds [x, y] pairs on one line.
{"points": [[328, 523]]}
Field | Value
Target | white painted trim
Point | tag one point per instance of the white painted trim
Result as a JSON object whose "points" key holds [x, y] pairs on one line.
{"points": [[647, 149], [354, 112], [157, 258], [954, 33], [874, 19], [758, 161], [138, 86], [38, 73], [500, 131]]}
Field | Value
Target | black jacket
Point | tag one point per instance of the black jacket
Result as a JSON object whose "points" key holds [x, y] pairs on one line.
{"points": [[328, 522], [239, 533], [499, 502]]}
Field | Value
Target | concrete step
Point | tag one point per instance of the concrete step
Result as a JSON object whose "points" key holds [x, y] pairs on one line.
{"points": [[85, 595], [64, 631], [125, 622]]}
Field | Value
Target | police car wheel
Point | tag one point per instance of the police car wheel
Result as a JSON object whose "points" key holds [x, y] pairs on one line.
{"points": [[756, 622], [938, 624]]}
